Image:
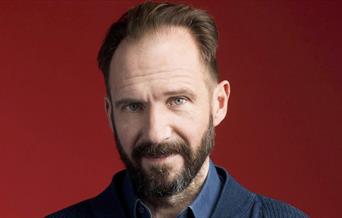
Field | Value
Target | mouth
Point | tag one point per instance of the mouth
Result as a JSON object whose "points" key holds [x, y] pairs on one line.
{"points": [[158, 159]]}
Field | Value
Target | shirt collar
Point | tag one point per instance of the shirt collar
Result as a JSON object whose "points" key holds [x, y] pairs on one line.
{"points": [[202, 206], [205, 201]]}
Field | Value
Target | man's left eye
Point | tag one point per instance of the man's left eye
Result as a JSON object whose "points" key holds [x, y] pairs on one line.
{"points": [[176, 101]]}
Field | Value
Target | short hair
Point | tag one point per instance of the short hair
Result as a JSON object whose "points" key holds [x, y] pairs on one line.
{"points": [[151, 16]]}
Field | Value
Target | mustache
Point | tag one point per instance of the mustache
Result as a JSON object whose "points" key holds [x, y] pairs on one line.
{"points": [[154, 150]]}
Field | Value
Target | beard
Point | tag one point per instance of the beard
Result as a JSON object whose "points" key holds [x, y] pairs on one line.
{"points": [[155, 182]]}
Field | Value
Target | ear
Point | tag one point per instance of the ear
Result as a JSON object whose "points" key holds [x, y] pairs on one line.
{"points": [[220, 102], [109, 111]]}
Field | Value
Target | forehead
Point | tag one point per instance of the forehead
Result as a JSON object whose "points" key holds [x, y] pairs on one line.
{"points": [[169, 55]]}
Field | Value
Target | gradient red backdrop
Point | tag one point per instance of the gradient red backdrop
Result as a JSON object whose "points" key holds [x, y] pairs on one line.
{"points": [[282, 136]]}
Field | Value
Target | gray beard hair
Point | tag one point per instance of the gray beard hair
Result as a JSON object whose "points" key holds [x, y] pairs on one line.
{"points": [[154, 184]]}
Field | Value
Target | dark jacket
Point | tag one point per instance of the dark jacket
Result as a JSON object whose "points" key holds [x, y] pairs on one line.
{"points": [[234, 201]]}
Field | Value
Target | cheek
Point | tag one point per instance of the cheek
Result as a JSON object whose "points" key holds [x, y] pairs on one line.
{"points": [[194, 125], [127, 133]]}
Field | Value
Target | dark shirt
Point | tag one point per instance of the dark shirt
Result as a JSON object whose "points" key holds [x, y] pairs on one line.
{"points": [[202, 206]]}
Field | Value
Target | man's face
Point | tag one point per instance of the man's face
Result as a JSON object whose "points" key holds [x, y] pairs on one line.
{"points": [[161, 108]]}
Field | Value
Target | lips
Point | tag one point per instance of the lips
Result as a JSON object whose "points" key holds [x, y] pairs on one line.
{"points": [[156, 156], [161, 159]]}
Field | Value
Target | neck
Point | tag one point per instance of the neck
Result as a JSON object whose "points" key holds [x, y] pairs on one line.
{"points": [[171, 206]]}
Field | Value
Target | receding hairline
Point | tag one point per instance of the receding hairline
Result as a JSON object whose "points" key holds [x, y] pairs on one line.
{"points": [[153, 15], [165, 30]]}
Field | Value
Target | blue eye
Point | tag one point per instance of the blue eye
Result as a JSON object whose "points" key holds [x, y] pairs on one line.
{"points": [[177, 101], [133, 107]]}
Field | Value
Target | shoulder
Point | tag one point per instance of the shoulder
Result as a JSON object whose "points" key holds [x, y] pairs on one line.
{"points": [[81, 209], [237, 201], [274, 208], [107, 202]]}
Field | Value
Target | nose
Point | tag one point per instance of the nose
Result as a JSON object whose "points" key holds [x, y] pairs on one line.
{"points": [[157, 128]]}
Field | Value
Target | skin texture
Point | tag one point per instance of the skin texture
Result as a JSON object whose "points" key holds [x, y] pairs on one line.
{"points": [[161, 91]]}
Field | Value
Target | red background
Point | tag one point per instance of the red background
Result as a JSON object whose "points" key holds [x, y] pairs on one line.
{"points": [[282, 136]]}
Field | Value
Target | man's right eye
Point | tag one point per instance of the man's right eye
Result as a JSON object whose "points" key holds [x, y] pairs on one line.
{"points": [[133, 107]]}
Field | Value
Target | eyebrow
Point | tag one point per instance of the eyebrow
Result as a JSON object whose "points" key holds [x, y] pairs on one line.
{"points": [[124, 101], [187, 92]]}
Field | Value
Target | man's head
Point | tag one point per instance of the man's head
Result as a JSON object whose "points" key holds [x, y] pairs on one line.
{"points": [[150, 17], [163, 97]]}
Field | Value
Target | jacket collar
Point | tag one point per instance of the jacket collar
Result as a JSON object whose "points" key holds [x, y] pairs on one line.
{"points": [[233, 201]]}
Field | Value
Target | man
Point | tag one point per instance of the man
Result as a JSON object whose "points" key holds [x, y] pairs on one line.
{"points": [[163, 102]]}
